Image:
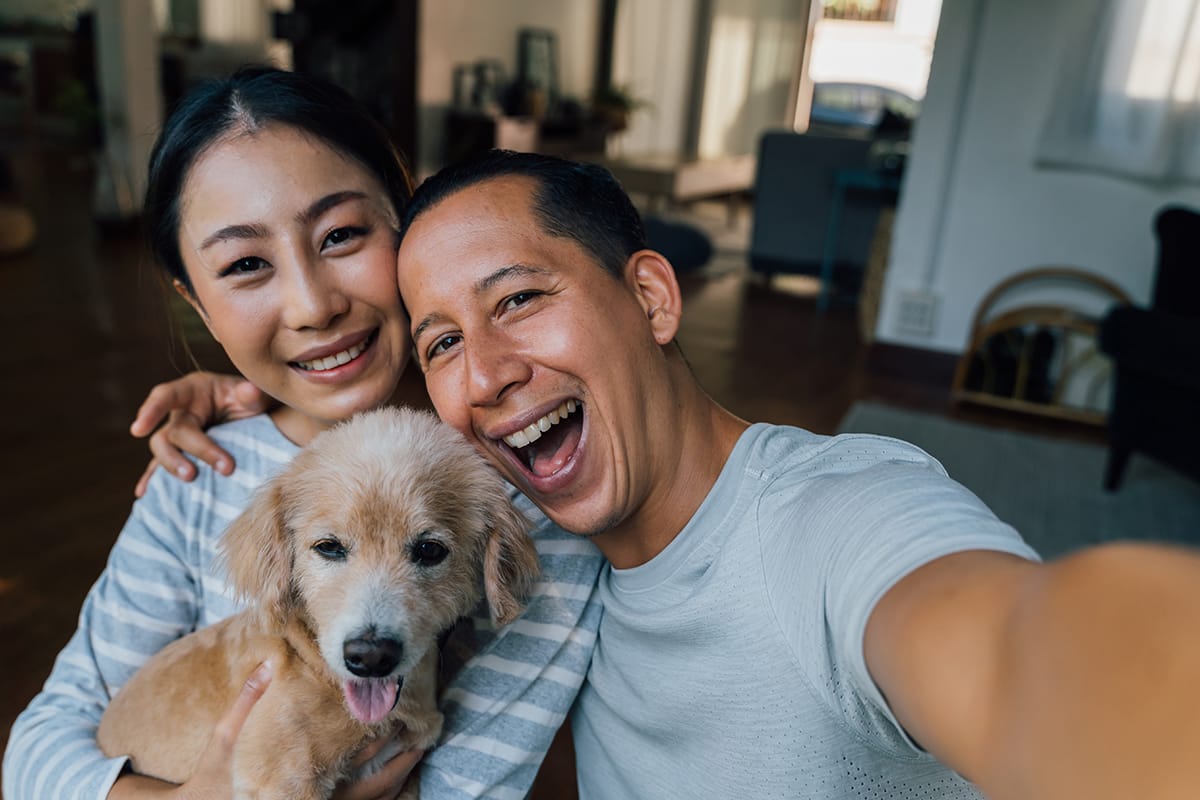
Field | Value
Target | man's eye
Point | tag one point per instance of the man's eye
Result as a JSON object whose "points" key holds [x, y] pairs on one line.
{"points": [[443, 344], [244, 266], [520, 299]]}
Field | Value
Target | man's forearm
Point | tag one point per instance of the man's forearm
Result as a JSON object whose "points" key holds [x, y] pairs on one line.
{"points": [[1100, 693]]}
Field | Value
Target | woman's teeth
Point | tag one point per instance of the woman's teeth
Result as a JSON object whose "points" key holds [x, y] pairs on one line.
{"points": [[528, 436], [335, 360]]}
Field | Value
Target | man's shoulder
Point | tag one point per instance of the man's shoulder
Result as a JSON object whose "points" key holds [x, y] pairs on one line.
{"points": [[783, 451]]}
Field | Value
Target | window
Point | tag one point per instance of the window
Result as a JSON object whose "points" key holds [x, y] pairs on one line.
{"points": [[862, 10], [1128, 99]]}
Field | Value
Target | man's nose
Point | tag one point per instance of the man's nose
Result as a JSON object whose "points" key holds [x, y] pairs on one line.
{"points": [[494, 367]]}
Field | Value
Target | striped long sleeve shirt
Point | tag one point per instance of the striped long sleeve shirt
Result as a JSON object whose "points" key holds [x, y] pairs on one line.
{"points": [[161, 582]]}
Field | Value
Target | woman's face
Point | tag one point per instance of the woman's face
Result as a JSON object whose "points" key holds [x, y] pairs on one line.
{"points": [[291, 250]]}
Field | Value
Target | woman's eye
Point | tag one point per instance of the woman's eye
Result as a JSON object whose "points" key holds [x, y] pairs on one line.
{"points": [[244, 266], [342, 235], [331, 549], [443, 344]]}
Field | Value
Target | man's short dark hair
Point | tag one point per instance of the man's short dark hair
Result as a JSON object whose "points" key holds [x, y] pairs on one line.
{"points": [[577, 201]]}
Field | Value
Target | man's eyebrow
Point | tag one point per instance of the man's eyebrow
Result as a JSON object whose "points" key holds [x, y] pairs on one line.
{"points": [[504, 273], [305, 217], [481, 286]]}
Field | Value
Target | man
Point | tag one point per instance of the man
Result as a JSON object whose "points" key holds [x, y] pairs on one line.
{"points": [[785, 614]]}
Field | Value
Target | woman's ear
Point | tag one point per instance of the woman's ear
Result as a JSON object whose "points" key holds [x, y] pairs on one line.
{"points": [[186, 294], [652, 279]]}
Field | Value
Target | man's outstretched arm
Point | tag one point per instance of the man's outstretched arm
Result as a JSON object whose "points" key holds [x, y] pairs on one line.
{"points": [[1076, 678]]}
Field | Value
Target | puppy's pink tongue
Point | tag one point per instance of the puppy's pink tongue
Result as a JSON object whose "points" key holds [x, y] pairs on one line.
{"points": [[371, 699]]}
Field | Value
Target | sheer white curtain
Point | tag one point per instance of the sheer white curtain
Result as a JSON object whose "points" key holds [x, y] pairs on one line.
{"points": [[1128, 99]]}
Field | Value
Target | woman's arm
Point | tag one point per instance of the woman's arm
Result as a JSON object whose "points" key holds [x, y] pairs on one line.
{"points": [[504, 707], [146, 597], [213, 777]]}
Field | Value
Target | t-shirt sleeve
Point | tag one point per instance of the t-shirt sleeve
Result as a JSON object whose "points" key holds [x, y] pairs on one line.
{"points": [[868, 512], [505, 705]]}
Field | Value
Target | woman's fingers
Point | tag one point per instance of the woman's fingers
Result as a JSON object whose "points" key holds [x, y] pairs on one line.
{"points": [[213, 776], [176, 414], [387, 783], [183, 433], [186, 393], [140, 489], [230, 725], [208, 397]]}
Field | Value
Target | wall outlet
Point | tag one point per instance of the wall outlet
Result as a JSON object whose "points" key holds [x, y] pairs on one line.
{"points": [[917, 314]]}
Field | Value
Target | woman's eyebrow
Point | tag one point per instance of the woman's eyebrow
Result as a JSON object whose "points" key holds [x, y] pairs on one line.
{"points": [[305, 217], [327, 202], [248, 231]]}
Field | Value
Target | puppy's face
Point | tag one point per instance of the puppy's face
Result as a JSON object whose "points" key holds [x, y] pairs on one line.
{"points": [[379, 536]]}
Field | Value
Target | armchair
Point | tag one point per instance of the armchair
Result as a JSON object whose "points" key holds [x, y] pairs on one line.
{"points": [[1156, 357]]}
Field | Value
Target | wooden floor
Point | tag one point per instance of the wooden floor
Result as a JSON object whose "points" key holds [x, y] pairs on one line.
{"points": [[87, 335]]}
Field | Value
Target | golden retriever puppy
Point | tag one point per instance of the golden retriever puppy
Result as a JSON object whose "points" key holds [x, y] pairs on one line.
{"points": [[379, 536]]}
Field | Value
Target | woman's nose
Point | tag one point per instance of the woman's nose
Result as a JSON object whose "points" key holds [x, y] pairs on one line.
{"points": [[312, 300]]}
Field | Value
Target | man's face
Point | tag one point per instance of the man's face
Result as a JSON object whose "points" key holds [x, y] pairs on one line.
{"points": [[541, 358]]}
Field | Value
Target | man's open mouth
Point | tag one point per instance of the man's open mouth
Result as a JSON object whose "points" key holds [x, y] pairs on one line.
{"points": [[545, 446]]}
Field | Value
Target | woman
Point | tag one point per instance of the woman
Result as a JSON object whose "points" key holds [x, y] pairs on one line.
{"points": [[272, 206]]}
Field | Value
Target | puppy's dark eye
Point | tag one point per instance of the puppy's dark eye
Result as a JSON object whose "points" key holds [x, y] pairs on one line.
{"points": [[428, 553], [331, 549]]}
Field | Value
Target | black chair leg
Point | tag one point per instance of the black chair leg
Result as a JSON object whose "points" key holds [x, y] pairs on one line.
{"points": [[1118, 457]]}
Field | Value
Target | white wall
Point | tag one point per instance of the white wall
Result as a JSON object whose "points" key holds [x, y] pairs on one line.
{"points": [[465, 31], [654, 56], [752, 72], [974, 208]]}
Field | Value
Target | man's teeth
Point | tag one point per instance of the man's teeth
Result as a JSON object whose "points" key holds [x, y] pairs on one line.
{"points": [[528, 436], [337, 359]]}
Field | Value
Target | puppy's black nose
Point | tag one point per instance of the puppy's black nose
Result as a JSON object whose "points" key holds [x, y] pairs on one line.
{"points": [[371, 656]]}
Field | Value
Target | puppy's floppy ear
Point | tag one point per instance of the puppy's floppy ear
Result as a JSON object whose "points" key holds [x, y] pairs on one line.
{"points": [[510, 565], [257, 553]]}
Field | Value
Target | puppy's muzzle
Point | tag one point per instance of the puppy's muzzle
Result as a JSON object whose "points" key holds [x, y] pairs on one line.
{"points": [[371, 655]]}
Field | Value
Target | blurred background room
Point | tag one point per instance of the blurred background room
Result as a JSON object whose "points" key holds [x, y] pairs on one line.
{"points": [[969, 224]]}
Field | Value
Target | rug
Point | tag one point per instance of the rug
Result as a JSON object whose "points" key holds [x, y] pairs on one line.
{"points": [[1050, 490]]}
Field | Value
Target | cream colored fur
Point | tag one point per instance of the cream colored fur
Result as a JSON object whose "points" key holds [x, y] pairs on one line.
{"points": [[376, 485]]}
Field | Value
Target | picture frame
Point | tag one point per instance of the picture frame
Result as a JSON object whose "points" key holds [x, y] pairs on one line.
{"points": [[537, 60]]}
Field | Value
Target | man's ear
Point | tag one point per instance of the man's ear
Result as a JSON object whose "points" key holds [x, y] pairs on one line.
{"points": [[652, 279], [183, 292]]}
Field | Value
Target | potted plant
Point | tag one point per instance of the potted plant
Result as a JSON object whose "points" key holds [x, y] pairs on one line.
{"points": [[614, 104]]}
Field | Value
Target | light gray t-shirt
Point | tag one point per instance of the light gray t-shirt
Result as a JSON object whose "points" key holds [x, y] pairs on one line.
{"points": [[732, 664]]}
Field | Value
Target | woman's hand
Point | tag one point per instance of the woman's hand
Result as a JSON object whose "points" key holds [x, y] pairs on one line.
{"points": [[189, 405], [385, 784], [213, 779]]}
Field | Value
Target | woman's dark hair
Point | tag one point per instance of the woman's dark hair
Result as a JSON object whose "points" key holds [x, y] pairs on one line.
{"points": [[577, 201], [251, 99]]}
